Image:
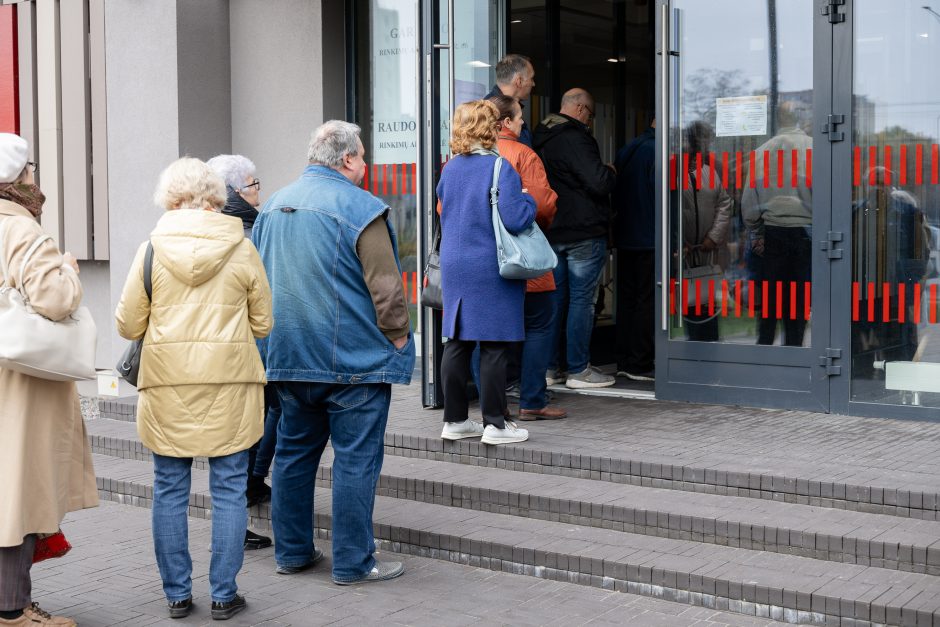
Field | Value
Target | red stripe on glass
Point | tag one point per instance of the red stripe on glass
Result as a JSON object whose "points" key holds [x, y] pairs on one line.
{"points": [[886, 302], [888, 165], [685, 297], [792, 300], [724, 299], [807, 300], [739, 170], [779, 294], [711, 297], [394, 179], [724, 170], [916, 308], [404, 283], [698, 297], [871, 302], [902, 165], [698, 171], [794, 168], [414, 288], [711, 170], [672, 173], [872, 164], [765, 301], [932, 316], [855, 300], [750, 299], [685, 171], [935, 177], [752, 161], [766, 169], [385, 179], [414, 178], [919, 165], [902, 311], [737, 301], [375, 179], [809, 168], [857, 167], [780, 171], [672, 297]]}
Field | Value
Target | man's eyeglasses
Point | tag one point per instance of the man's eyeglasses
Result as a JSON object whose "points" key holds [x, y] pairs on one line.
{"points": [[590, 112], [256, 184], [32, 165]]}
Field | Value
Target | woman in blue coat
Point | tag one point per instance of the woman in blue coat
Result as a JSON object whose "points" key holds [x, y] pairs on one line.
{"points": [[479, 305]]}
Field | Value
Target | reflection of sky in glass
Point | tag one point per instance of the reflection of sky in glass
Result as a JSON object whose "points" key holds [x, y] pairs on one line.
{"points": [[733, 35], [897, 45]]}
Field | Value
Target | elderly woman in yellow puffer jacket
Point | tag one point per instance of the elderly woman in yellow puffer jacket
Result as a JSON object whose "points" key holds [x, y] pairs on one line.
{"points": [[201, 380]]}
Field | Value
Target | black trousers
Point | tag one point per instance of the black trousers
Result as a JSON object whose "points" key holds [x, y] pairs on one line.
{"points": [[455, 373], [636, 275], [15, 582], [787, 257]]}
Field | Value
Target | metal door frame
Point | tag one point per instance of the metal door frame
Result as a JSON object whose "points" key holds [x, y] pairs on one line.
{"points": [[815, 395]]}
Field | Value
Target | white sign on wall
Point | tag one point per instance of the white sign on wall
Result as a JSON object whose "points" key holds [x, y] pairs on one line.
{"points": [[743, 115], [394, 46]]}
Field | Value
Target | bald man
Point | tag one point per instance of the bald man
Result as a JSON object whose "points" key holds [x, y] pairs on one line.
{"points": [[583, 183]]}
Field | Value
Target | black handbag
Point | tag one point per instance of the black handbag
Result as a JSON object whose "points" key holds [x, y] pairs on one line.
{"points": [[432, 295], [129, 364]]}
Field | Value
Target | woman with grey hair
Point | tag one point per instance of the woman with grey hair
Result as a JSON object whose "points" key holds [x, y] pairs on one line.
{"points": [[242, 187], [201, 381]]}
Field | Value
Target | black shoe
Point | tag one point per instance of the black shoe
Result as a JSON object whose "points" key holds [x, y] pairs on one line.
{"points": [[293, 570], [254, 541], [258, 491], [224, 611], [180, 609]]}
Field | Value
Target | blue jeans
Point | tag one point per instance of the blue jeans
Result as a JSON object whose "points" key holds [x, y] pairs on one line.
{"points": [[576, 277], [353, 418], [228, 476], [264, 454], [537, 349]]}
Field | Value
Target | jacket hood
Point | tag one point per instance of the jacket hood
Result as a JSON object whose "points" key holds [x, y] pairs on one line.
{"points": [[552, 126], [194, 245]]}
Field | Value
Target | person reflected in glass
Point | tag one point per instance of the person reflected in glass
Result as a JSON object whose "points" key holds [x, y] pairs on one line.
{"points": [[779, 221], [706, 219]]}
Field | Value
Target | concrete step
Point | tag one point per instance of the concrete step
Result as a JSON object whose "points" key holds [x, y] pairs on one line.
{"points": [[822, 533], [903, 491], [784, 587]]}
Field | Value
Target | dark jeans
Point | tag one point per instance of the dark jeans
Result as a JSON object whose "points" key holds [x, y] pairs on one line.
{"points": [[577, 274], [536, 349], [701, 328], [636, 274], [262, 453], [353, 419], [15, 582], [787, 257], [455, 373]]}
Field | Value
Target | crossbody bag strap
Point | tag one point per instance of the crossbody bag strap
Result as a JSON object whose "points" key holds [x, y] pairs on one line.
{"points": [[494, 187], [3, 257], [148, 271], [29, 254]]}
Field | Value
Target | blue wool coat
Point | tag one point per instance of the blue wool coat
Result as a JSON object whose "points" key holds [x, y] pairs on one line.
{"points": [[479, 304]]}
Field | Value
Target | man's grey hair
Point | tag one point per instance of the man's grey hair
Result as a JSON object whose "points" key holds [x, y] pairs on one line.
{"points": [[332, 141], [509, 66], [233, 169]]}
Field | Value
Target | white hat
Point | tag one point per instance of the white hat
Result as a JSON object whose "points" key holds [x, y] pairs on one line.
{"points": [[14, 153]]}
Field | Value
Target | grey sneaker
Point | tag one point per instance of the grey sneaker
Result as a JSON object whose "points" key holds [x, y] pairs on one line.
{"points": [[589, 378], [460, 430], [382, 571], [509, 435], [553, 377], [638, 376]]}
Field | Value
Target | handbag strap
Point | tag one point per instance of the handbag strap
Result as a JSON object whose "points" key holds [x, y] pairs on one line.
{"points": [[494, 187], [148, 271], [29, 253]]}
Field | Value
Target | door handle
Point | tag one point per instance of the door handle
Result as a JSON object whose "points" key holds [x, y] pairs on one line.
{"points": [[663, 125]]}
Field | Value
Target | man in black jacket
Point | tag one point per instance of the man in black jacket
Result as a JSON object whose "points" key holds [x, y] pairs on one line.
{"points": [[515, 77], [579, 232]]}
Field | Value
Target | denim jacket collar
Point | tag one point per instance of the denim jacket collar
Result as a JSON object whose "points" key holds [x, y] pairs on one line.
{"points": [[323, 171]]}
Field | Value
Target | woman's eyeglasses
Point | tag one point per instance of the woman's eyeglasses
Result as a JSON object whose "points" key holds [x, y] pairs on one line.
{"points": [[256, 184]]}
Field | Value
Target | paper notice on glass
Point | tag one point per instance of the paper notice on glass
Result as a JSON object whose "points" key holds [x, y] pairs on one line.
{"points": [[744, 115]]}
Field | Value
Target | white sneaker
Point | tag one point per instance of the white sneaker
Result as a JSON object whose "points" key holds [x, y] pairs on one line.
{"points": [[589, 378], [461, 430], [512, 433]]}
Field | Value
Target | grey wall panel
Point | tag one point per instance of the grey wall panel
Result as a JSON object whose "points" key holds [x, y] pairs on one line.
{"points": [[277, 84], [96, 282], [26, 58], [143, 126], [202, 48], [97, 53]]}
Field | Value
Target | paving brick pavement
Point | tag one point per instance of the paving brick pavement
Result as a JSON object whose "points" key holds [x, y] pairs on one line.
{"points": [[110, 578]]}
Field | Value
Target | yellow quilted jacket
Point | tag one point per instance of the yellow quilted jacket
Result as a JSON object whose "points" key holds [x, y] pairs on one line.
{"points": [[201, 379]]}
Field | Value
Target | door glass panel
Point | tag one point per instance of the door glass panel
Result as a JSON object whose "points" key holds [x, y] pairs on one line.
{"points": [[387, 111], [896, 203], [741, 109]]}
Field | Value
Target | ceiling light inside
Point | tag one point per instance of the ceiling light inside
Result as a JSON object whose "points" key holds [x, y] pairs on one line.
{"points": [[478, 64]]}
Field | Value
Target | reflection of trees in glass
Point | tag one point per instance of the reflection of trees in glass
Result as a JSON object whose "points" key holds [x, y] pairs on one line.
{"points": [[702, 88]]}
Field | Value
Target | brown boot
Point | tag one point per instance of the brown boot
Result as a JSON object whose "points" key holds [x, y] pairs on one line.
{"points": [[546, 413]]}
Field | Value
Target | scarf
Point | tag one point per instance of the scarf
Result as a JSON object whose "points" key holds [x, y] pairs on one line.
{"points": [[236, 206], [27, 195]]}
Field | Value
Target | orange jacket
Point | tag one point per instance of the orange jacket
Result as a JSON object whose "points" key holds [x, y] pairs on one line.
{"points": [[535, 182]]}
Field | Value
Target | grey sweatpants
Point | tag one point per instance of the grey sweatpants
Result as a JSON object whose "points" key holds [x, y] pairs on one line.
{"points": [[15, 584]]}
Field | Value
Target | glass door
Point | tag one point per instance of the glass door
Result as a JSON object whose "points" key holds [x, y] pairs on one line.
{"points": [[890, 203], [462, 40], [743, 190]]}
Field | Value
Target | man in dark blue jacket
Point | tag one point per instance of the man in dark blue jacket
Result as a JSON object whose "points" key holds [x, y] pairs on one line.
{"points": [[515, 77], [634, 232]]}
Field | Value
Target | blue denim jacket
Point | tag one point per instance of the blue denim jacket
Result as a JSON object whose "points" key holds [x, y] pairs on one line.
{"points": [[324, 321]]}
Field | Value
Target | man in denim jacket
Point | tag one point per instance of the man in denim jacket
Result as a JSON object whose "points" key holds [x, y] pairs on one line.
{"points": [[341, 338]]}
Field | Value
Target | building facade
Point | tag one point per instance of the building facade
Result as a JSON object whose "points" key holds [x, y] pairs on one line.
{"points": [[815, 122]]}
